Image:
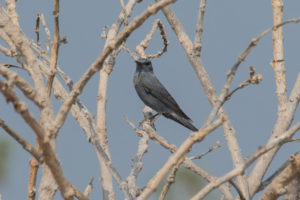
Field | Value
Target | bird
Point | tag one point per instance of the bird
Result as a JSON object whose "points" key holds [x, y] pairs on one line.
{"points": [[152, 92]]}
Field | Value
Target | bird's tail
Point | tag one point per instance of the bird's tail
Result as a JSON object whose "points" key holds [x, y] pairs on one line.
{"points": [[185, 122]]}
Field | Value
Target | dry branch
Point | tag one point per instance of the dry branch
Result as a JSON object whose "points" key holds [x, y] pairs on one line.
{"points": [[21, 141], [188, 163], [199, 28], [210, 92], [241, 168], [291, 172], [49, 155], [140, 48], [179, 154]]}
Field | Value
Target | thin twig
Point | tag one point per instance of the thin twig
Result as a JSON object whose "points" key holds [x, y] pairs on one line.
{"points": [[103, 32], [131, 53], [218, 144], [170, 179], [37, 30], [253, 79], [124, 12], [47, 32], [8, 52], [89, 188], [140, 49], [137, 163], [199, 27], [34, 165], [241, 58], [54, 49], [164, 38], [21, 141]]}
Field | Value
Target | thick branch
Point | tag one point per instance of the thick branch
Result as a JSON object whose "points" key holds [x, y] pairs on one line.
{"points": [[291, 172]]}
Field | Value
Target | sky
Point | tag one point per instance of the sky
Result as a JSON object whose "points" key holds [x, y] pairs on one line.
{"points": [[229, 26]]}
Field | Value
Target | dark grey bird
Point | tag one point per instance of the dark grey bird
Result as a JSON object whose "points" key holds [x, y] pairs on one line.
{"points": [[156, 96]]}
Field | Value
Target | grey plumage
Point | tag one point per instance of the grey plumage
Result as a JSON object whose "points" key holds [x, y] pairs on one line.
{"points": [[155, 95]]}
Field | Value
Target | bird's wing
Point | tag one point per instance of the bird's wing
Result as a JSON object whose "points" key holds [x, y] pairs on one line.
{"points": [[154, 87]]}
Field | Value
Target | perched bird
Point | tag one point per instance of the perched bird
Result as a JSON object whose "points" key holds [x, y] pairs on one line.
{"points": [[155, 95]]}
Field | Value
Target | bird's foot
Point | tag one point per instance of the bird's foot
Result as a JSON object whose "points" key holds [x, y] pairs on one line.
{"points": [[151, 120]]}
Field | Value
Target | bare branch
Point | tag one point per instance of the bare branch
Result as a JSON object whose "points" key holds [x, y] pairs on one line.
{"points": [[25, 87], [199, 27], [209, 89], [241, 58], [295, 95], [291, 172], [179, 154], [124, 12], [21, 141], [211, 149], [241, 168], [293, 189], [8, 52], [12, 11], [107, 174], [37, 30], [271, 178], [103, 33], [253, 79], [239, 191], [34, 166], [50, 156], [54, 49], [286, 109], [47, 32], [170, 179], [89, 188], [137, 163], [188, 163], [140, 49]]}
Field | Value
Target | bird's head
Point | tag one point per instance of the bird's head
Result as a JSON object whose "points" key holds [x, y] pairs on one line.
{"points": [[143, 65]]}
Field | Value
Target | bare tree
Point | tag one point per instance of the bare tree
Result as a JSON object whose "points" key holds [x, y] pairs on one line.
{"points": [[49, 80]]}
